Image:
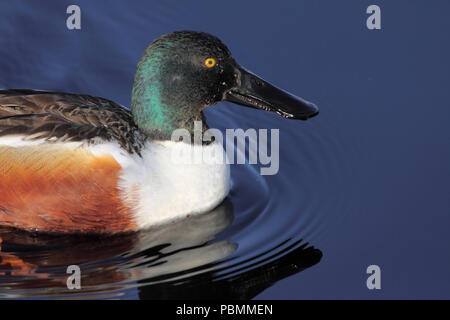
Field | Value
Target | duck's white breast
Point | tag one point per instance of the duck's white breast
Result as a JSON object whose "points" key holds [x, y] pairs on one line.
{"points": [[161, 186]]}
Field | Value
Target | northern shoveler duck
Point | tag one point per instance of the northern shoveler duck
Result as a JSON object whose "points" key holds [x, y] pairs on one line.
{"points": [[74, 163]]}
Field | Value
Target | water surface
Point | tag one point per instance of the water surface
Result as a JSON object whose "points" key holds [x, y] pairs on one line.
{"points": [[366, 182]]}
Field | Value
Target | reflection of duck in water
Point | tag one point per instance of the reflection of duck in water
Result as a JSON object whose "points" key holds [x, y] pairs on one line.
{"points": [[76, 163], [166, 250], [178, 260]]}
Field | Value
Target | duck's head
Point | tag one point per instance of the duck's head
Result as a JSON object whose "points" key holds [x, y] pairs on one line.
{"points": [[182, 73]]}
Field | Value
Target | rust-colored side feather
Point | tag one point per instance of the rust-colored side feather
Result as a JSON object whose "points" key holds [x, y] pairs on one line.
{"points": [[57, 189]]}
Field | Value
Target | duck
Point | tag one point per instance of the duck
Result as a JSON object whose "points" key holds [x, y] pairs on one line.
{"points": [[73, 163]]}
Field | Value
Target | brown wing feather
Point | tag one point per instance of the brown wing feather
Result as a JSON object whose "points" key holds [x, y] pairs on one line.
{"points": [[68, 117]]}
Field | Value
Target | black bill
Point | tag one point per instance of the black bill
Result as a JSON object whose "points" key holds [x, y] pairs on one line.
{"points": [[254, 92]]}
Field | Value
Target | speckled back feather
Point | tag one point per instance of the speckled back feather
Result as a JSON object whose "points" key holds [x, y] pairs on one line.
{"points": [[67, 117]]}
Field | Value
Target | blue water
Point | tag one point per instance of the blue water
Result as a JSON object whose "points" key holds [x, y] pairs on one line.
{"points": [[365, 182]]}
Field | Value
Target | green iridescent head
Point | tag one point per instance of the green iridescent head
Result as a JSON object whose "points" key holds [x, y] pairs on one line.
{"points": [[181, 73]]}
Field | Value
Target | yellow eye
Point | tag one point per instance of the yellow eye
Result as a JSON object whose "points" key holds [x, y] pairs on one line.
{"points": [[210, 62]]}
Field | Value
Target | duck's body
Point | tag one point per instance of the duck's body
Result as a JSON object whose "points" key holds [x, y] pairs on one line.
{"points": [[75, 163]]}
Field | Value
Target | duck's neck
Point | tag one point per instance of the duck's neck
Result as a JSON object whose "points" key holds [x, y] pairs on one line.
{"points": [[157, 106]]}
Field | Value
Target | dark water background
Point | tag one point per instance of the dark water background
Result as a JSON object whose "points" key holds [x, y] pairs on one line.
{"points": [[366, 182]]}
